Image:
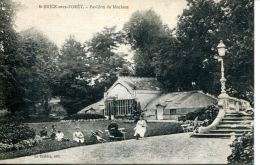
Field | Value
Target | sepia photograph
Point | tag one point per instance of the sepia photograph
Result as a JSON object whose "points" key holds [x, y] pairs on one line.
{"points": [[127, 82]]}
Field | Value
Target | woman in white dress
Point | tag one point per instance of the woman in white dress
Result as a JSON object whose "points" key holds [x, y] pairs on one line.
{"points": [[59, 136], [140, 128]]}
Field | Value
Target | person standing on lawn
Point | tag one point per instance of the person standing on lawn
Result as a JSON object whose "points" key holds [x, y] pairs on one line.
{"points": [[140, 128], [78, 136]]}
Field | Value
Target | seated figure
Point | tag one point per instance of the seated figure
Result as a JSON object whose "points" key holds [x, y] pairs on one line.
{"points": [[59, 136], [97, 134], [53, 132], [113, 130], [44, 133], [78, 136]]}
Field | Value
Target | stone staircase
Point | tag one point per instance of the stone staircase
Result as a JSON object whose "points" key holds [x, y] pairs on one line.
{"points": [[233, 123]]}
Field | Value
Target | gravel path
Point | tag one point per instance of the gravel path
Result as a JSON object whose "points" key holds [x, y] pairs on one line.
{"points": [[173, 149]]}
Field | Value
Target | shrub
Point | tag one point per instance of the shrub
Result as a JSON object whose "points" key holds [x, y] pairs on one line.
{"points": [[243, 149], [5, 147], [84, 116], [18, 146], [209, 113], [12, 131], [24, 144]]}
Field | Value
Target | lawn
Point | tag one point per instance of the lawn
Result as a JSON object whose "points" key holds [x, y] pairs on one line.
{"points": [[153, 128], [68, 127]]}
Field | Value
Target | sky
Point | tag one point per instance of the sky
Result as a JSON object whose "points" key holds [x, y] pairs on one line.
{"points": [[59, 24]]}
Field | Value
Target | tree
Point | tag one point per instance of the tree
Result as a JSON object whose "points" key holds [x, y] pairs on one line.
{"points": [[189, 62], [197, 33], [144, 31], [35, 65], [237, 28], [101, 46], [73, 76], [8, 46], [170, 65], [86, 70], [104, 61]]}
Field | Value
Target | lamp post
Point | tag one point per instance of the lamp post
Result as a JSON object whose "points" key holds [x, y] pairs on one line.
{"points": [[221, 52]]}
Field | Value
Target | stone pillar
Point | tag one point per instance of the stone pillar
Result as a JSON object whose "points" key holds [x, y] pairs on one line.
{"points": [[223, 101]]}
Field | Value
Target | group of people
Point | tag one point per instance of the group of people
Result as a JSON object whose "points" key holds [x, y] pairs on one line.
{"points": [[140, 130], [59, 135]]}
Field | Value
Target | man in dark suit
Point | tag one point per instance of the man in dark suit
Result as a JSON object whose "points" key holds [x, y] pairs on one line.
{"points": [[113, 130]]}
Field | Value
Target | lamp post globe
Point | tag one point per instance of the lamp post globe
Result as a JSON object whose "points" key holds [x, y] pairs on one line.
{"points": [[221, 52], [221, 49]]}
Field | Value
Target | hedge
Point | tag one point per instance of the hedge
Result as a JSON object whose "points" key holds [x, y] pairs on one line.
{"points": [[84, 116]]}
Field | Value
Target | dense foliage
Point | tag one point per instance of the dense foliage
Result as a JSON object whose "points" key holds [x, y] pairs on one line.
{"points": [[185, 58], [209, 113], [238, 31], [71, 85], [12, 131], [8, 42], [33, 69], [86, 70], [144, 31], [24, 144], [243, 149]]}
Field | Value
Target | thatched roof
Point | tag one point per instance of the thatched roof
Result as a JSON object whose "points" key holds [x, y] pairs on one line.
{"points": [[176, 100], [94, 108]]}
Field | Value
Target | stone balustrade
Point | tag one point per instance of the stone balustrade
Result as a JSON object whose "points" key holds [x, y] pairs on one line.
{"points": [[235, 104]]}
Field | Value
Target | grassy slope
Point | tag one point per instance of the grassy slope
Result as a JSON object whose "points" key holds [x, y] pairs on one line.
{"points": [[68, 128]]}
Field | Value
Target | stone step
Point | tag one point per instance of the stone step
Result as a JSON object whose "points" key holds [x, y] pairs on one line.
{"points": [[229, 131], [214, 135], [237, 118], [237, 115], [236, 122], [234, 126]]}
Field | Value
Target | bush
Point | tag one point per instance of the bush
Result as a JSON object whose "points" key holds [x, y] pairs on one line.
{"points": [[24, 144], [5, 147], [243, 149], [12, 132], [209, 113], [84, 116]]}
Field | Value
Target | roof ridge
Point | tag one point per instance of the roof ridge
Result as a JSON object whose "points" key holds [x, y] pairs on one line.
{"points": [[133, 77]]}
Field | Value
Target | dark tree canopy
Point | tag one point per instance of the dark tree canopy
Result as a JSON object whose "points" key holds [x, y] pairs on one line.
{"points": [[101, 46], [188, 61], [8, 46], [34, 69], [72, 86], [144, 31], [237, 28], [197, 32]]}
